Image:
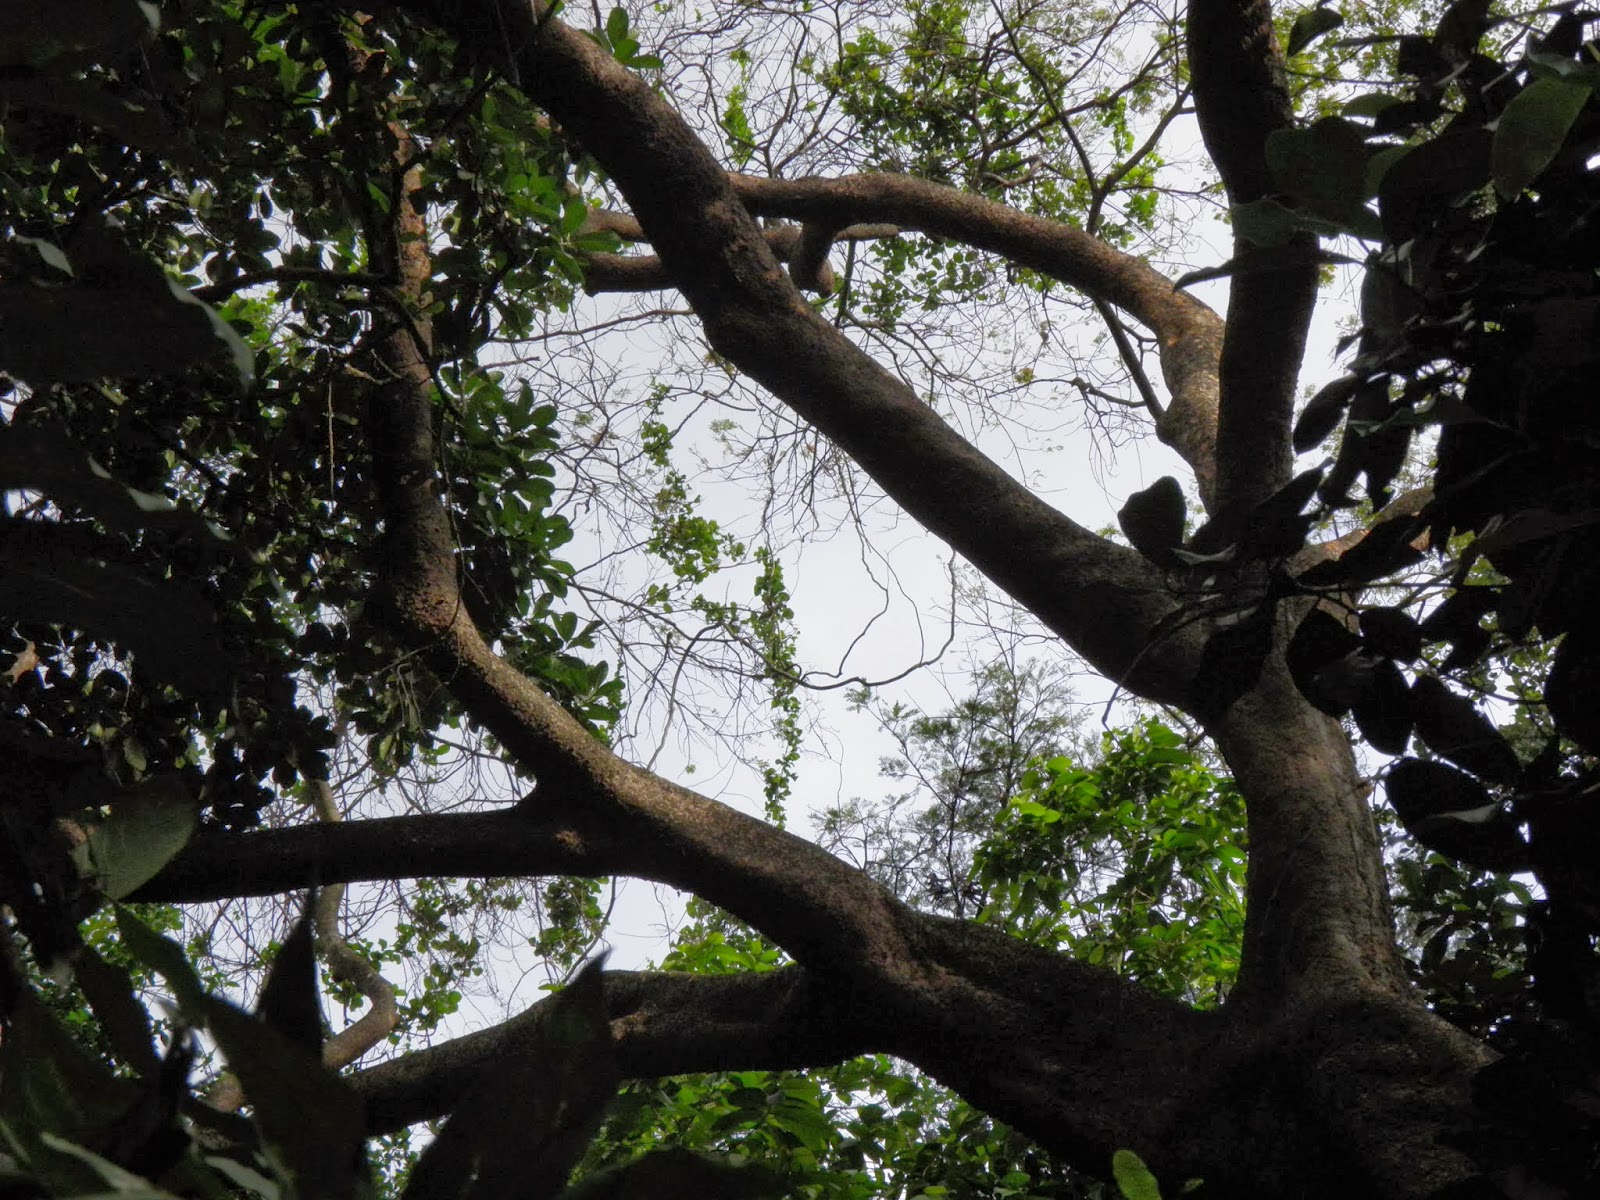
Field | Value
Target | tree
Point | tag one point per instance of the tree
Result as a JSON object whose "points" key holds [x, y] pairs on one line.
{"points": [[962, 767], [414, 184]]}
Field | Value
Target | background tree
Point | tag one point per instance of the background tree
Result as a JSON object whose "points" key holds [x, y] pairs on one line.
{"points": [[290, 465]]}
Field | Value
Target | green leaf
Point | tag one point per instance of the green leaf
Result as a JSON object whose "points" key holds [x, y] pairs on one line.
{"points": [[146, 828], [310, 1117], [1371, 104], [675, 1173], [617, 25], [1309, 26], [290, 1001], [165, 624], [49, 1082], [49, 251], [1325, 168], [243, 1177], [573, 214], [1134, 1179], [166, 959], [1532, 131], [305, 1112], [533, 1110], [123, 1019], [1270, 223]]}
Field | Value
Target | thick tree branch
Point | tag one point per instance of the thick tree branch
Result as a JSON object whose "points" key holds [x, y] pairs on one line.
{"points": [[804, 249], [1073, 1056], [1317, 901], [1070, 1054], [1077, 1058], [1188, 332], [663, 1024], [1242, 98], [1103, 598]]}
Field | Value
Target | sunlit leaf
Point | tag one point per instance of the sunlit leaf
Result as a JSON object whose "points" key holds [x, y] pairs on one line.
{"points": [[1533, 129]]}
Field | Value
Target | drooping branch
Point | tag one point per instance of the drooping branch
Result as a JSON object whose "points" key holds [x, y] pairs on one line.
{"points": [[345, 963], [1241, 98]]}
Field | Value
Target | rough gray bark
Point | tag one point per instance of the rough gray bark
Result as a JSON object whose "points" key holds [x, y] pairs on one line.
{"points": [[1323, 1075]]}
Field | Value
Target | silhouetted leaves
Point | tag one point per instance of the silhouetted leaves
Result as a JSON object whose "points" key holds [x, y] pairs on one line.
{"points": [[1572, 690], [517, 1131], [113, 313], [1386, 549], [1453, 728], [1425, 184], [1277, 527], [1382, 707], [1152, 520], [165, 624], [123, 1020], [303, 1110], [290, 1000], [1324, 166], [1309, 26], [1449, 811], [1234, 653], [1323, 412], [1391, 632], [1325, 660]]}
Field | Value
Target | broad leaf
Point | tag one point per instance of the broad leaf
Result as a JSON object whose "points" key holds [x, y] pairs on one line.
{"points": [[1382, 708], [1532, 130], [122, 1017], [1323, 412], [1571, 689], [305, 1112], [527, 1119], [146, 827], [1309, 26], [1152, 519], [1134, 1179], [1452, 727], [1324, 661], [1391, 632], [290, 1000], [1387, 549], [1449, 811]]}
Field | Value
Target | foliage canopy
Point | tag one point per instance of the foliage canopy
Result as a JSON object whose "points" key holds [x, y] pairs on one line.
{"points": [[302, 401]]}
